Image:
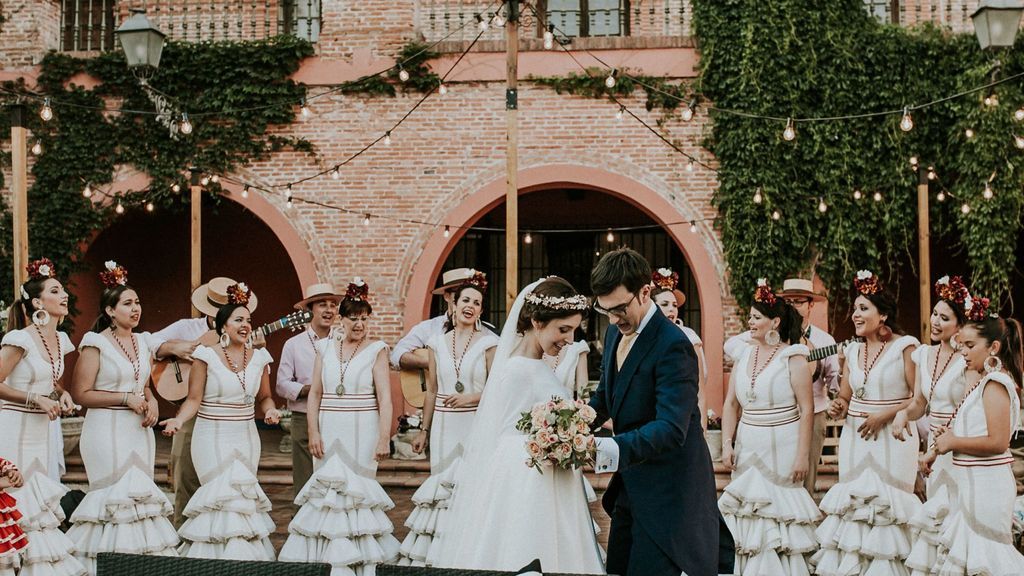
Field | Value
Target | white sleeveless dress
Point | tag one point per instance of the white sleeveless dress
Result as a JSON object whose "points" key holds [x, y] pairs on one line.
{"points": [[976, 536], [228, 517], [943, 397], [772, 518], [448, 431], [866, 530], [26, 442], [342, 520], [124, 510]]}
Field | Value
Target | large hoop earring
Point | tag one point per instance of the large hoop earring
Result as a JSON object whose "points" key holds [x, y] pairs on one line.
{"points": [[248, 342], [993, 364], [884, 333], [772, 338], [40, 317], [224, 340]]}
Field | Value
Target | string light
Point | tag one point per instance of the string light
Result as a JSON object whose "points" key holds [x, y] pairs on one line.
{"points": [[941, 196], [205, 180], [37, 149], [403, 74], [906, 122], [1019, 114], [931, 172], [481, 22], [789, 133], [498, 19], [913, 162], [366, 219], [610, 237], [288, 196], [1018, 141], [303, 109], [758, 198], [442, 89], [528, 239], [186, 125], [620, 113], [822, 207], [447, 231], [776, 215], [175, 188], [693, 226], [878, 197], [215, 178], [87, 191], [688, 111], [336, 173], [968, 133], [987, 194], [689, 166], [549, 37], [857, 195], [119, 208], [609, 82], [387, 138], [965, 208], [46, 113], [245, 191], [992, 100], [150, 207]]}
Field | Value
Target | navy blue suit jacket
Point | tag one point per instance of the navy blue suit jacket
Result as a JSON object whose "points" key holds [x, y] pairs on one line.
{"points": [[664, 463]]}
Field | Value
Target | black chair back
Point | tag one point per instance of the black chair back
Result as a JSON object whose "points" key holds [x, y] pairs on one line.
{"points": [[110, 564]]}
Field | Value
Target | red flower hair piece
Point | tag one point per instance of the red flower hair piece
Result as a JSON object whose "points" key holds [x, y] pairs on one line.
{"points": [[665, 279], [478, 280], [357, 290], [867, 283], [115, 275], [42, 268], [764, 293], [239, 294], [976, 308], [952, 289]]}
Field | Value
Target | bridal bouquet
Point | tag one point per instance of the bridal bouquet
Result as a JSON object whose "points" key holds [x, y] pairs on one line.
{"points": [[558, 433]]}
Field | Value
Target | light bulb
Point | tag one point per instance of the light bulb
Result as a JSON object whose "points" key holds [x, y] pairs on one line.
{"points": [[150, 207], [498, 20], [931, 173], [689, 166], [619, 114], [245, 191], [119, 208], [610, 237], [789, 133], [482, 23], [387, 138], [46, 113], [693, 227], [758, 198], [366, 220], [906, 122], [528, 239], [403, 74], [965, 208], [37, 149], [288, 196], [688, 111], [215, 178], [87, 191], [186, 125], [987, 194], [992, 100], [447, 231], [442, 89], [913, 161], [776, 215], [549, 39], [304, 110], [1019, 142], [609, 82], [941, 196], [822, 207], [175, 188], [1019, 114], [968, 133], [205, 180], [857, 195], [335, 174], [878, 197]]}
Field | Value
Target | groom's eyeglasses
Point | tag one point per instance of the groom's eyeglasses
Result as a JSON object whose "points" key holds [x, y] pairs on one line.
{"points": [[618, 311]]}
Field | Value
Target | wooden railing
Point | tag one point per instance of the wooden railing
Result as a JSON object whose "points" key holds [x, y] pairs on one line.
{"points": [[952, 14]]}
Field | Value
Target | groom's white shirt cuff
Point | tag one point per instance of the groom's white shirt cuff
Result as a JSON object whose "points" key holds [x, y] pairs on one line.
{"points": [[607, 460]]}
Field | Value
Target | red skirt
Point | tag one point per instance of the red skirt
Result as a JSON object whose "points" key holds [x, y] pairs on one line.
{"points": [[12, 538]]}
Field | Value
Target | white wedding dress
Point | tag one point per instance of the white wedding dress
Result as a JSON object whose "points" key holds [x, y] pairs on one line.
{"points": [[505, 514]]}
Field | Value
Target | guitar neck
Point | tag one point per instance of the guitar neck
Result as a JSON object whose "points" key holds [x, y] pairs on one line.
{"points": [[823, 352], [268, 329]]}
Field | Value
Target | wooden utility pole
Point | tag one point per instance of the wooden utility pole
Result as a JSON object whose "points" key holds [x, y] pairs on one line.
{"points": [[923, 255], [19, 196], [196, 201], [512, 156]]}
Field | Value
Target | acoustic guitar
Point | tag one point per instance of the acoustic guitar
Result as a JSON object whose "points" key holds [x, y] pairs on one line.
{"points": [[830, 350], [414, 381], [170, 377]]}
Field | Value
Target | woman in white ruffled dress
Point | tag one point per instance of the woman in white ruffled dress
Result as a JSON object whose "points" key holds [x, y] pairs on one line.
{"points": [[867, 527], [941, 382], [505, 514], [124, 510], [459, 362], [769, 512], [342, 520], [976, 537], [228, 517], [31, 365]]}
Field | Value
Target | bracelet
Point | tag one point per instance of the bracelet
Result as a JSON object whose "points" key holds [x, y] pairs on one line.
{"points": [[124, 399], [425, 430], [30, 400]]}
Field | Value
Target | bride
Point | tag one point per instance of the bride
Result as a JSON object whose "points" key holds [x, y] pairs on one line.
{"points": [[505, 514]]}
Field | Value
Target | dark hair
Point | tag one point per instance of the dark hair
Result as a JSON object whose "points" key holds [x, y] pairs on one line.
{"points": [[885, 302], [223, 313], [20, 313], [791, 324], [349, 307], [449, 321], [555, 287], [656, 290], [109, 299], [958, 311], [1007, 332], [620, 267]]}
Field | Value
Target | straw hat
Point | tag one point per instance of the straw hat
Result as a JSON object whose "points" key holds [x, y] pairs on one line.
{"points": [[209, 297], [452, 278], [316, 293], [800, 288]]}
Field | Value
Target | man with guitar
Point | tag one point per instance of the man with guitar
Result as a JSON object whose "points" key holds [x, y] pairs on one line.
{"points": [[295, 372], [800, 294]]}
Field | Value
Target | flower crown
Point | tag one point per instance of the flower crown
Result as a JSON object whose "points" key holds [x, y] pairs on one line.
{"points": [[977, 308], [763, 293], [665, 279], [952, 289], [477, 280], [239, 294], [577, 303], [357, 290], [115, 275], [42, 268], [867, 283]]}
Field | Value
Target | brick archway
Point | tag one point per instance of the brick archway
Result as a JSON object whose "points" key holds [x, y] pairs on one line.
{"points": [[699, 258]]}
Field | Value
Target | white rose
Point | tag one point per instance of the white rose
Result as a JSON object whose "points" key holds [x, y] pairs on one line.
{"points": [[864, 274], [968, 303], [414, 421], [243, 287], [357, 281], [665, 271], [44, 269], [110, 264], [944, 280]]}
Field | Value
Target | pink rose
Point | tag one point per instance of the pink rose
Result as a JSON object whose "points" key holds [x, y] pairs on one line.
{"points": [[534, 449], [538, 421], [543, 439], [588, 414], [579, 443]]}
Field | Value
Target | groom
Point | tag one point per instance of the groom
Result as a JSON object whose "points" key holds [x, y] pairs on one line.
{"points": [[662, 498]]}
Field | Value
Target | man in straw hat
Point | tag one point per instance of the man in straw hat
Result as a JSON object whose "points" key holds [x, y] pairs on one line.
{"points": [[403, 355], [179, 340], [295, 372], [800, 294]]}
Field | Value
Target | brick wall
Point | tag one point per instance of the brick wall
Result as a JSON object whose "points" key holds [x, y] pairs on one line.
{"points": [[28, 30]]}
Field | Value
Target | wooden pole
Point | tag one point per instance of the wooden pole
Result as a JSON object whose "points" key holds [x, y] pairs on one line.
{"points": [[19, 198], [512, 156], [923, 255], [196, 201]]}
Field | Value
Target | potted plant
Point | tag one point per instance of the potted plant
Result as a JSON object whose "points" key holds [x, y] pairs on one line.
{"points": [[714, 436]]}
